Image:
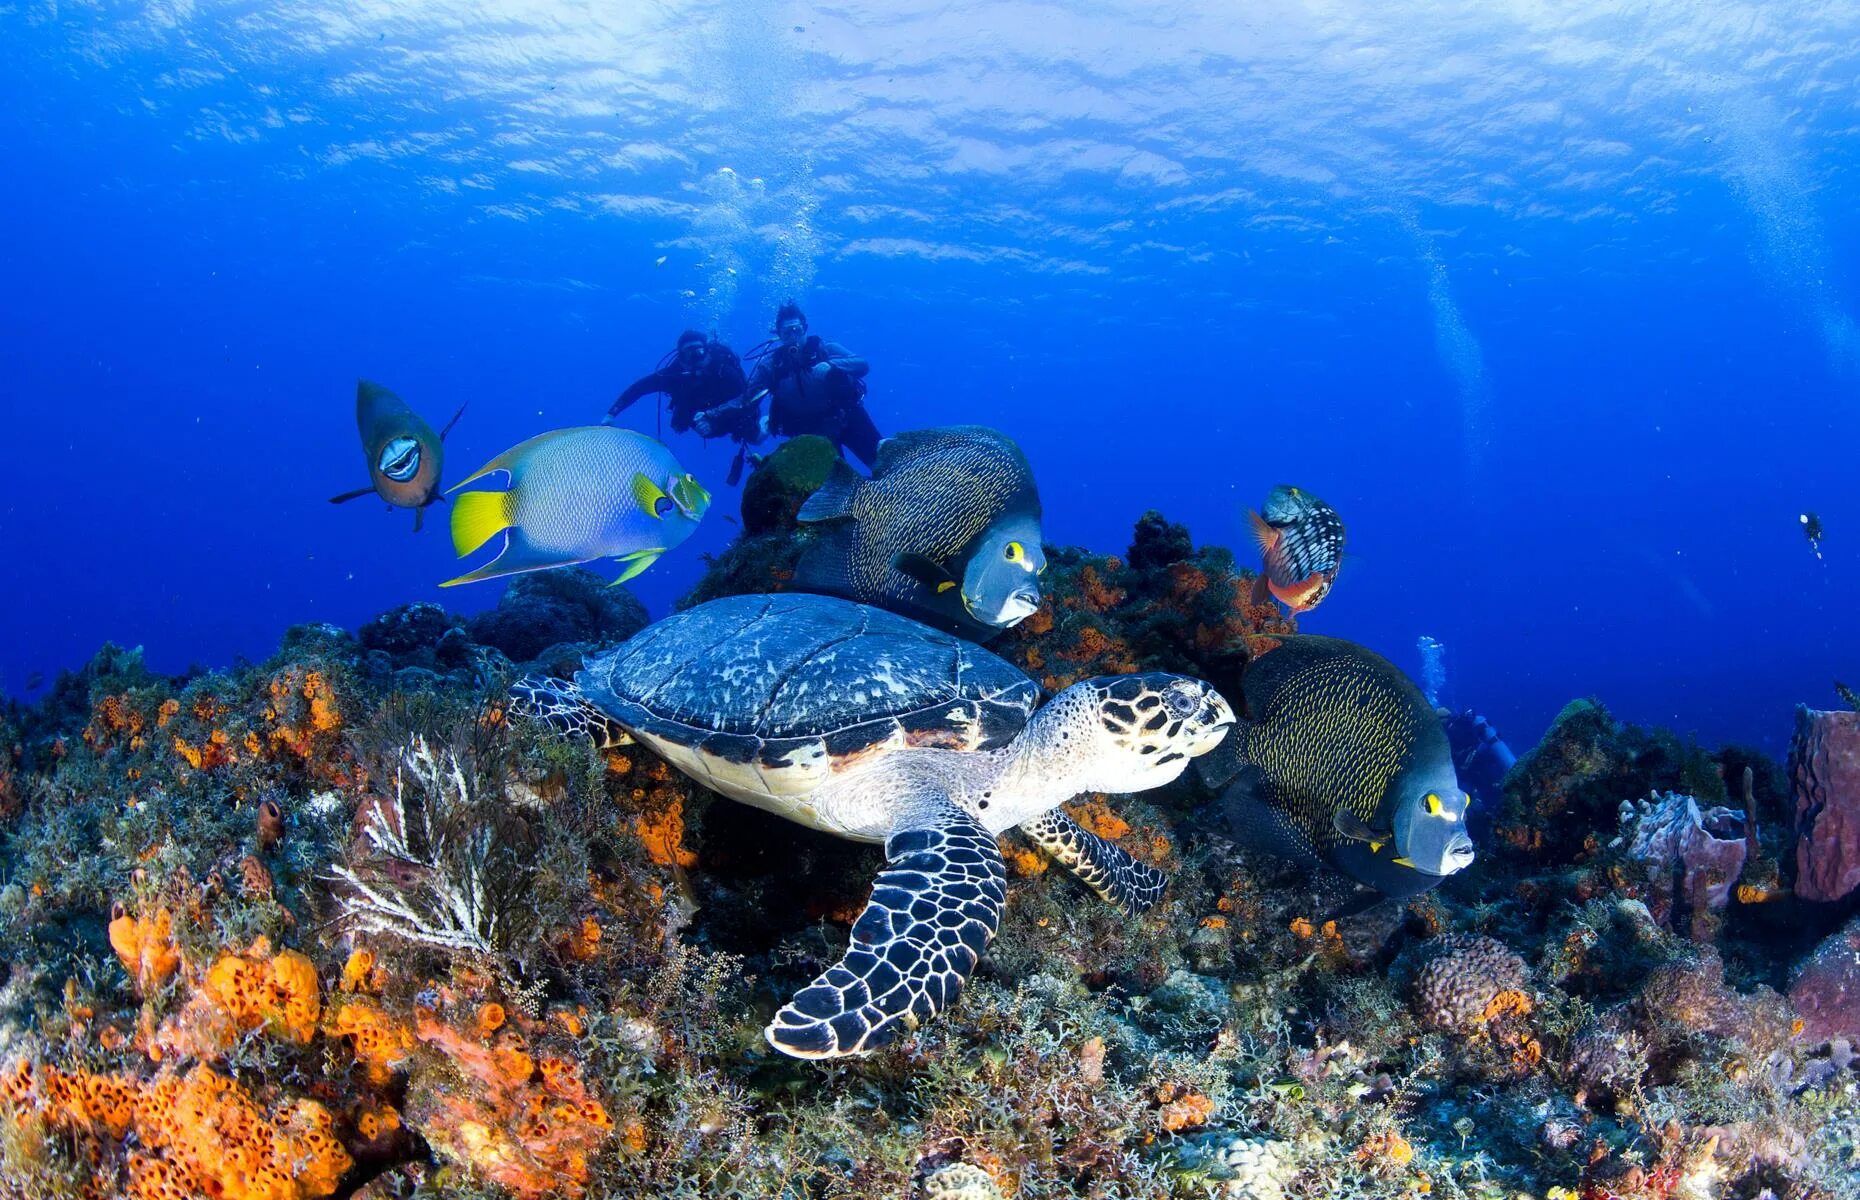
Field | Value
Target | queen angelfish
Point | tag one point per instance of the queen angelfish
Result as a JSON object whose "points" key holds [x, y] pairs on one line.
{"points": [[1340, 760], [1301, 545], [577, 495], [947, 530], [405, 456]]}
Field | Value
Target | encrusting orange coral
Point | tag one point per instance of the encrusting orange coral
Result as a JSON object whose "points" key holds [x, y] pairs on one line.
{"points": [[1096, 816], [199, 1134], [146, 946], [527, 1123], [381, 1044], [663, 833], [1183, 1108], [241, 993]]}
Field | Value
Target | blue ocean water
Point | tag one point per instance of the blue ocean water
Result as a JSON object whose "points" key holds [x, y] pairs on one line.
{"points": [[1555, 303]]}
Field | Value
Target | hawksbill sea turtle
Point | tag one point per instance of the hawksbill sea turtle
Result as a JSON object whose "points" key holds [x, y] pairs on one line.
{"points": [[873, 727]]}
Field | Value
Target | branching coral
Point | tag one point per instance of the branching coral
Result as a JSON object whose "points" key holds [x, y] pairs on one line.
{"points": [[436, 878]]}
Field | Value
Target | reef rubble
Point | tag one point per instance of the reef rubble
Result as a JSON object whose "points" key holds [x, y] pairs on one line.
{"points": [[335, 924]]}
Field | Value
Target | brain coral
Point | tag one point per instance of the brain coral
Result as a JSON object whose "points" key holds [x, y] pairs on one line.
{"points": [[1463, 977], [960, 1181]]}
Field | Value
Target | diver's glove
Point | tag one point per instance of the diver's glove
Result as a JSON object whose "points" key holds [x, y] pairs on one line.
{"points": [[700, 424], [822, 370]]}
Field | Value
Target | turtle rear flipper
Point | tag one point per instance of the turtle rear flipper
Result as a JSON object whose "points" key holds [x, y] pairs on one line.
{"points": [[558, 705], [1100, 866], [934, 909]]}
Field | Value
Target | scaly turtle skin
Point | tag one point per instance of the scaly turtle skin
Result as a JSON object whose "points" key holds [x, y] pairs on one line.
{"points": [[868, 725]]}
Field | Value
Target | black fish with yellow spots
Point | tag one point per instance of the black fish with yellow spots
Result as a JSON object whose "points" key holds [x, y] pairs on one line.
{"points": [[1338, 759], [947, 530]]}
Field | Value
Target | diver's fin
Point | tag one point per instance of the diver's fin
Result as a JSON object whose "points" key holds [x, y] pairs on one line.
{"points": [[651, 499], [1356, 829], [832, 499], [924, 571], [357, 494], [477, 517], [1264, 535], [636, 562], [451, 423]]}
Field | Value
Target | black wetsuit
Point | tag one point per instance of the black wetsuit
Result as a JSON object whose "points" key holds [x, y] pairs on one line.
{"points": [[800, 402], [714, 382]]}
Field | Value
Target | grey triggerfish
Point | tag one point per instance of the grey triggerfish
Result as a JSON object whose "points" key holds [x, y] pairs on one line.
{"points": [[404, 454], [947, 530], [577, 495], [1339, 759]]}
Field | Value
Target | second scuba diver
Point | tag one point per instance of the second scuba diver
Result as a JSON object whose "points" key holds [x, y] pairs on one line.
{"points": [[813, 386]]}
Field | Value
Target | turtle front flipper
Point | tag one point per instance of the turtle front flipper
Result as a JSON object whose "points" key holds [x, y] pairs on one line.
{"points": [[558, 705], [1100, 866], [934, 909]]}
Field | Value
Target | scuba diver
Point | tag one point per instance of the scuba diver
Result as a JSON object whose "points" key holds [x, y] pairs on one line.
{"points": [[1480, 756], [813, 386], [701, 375]]}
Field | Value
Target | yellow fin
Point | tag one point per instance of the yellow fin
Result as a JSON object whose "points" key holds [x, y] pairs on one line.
{"points": [[1374, 847], [636, 562], [1401, 862], [648, 495], [477, 517], [945, 586]]}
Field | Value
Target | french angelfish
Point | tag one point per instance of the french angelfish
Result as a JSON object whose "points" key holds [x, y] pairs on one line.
{"points": [[577, 495], [1340, 760], [947, 530], [404, 454], [1301, 542]]}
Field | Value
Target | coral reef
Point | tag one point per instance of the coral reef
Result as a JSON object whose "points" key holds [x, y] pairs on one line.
{"points": [[1824, 762], [1466, 979], [332, 925], [1572, 783], [782, 482], [1692, 859], [1826, 988], [572, 606]]}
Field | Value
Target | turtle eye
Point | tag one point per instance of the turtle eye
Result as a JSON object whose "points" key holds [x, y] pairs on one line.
{"points": [[1181, 699], [1015, 552]]}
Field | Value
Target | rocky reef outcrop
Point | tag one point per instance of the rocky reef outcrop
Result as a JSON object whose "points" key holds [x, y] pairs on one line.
{"points": [[336, 924]]}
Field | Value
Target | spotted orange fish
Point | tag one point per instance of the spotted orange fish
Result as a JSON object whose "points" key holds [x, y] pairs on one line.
{"points": [[1301, 541]]}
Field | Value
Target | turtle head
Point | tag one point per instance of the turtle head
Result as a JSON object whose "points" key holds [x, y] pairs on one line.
{"points": [[1139, 731], [561, 708]]}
